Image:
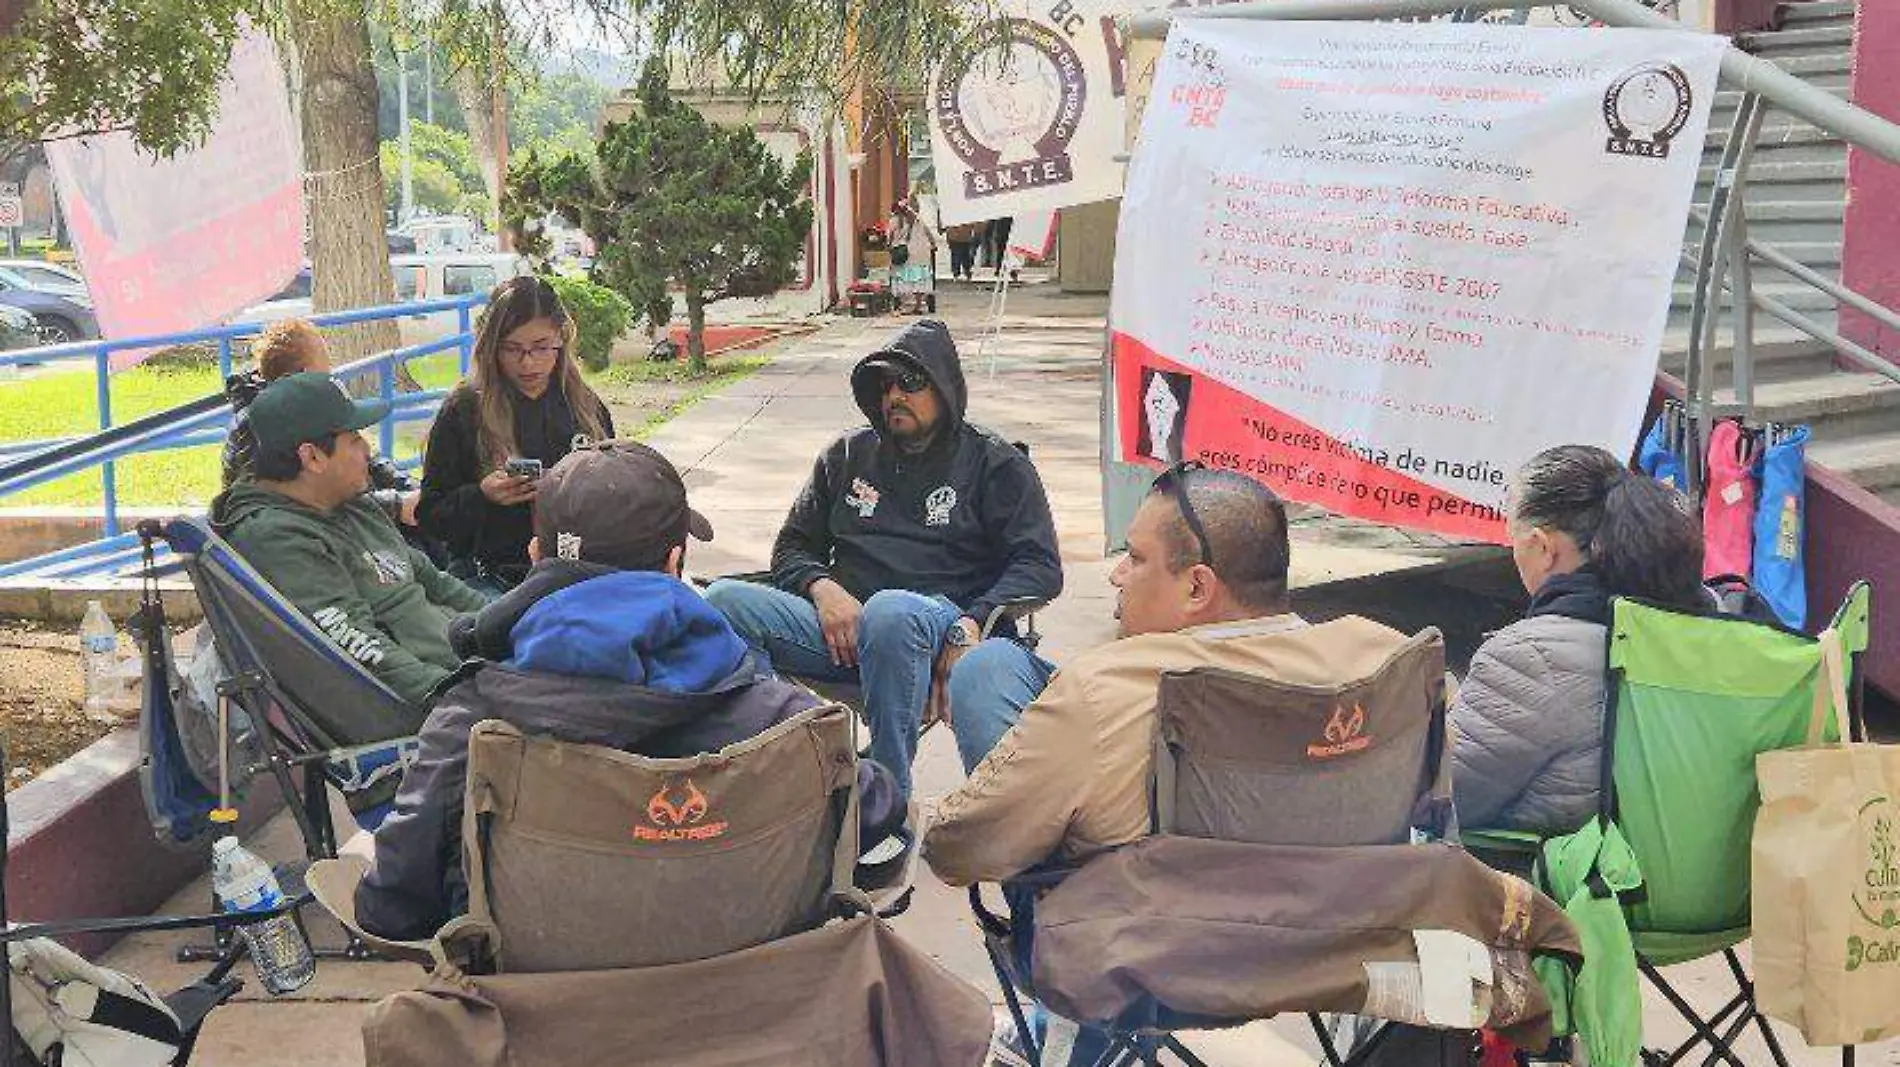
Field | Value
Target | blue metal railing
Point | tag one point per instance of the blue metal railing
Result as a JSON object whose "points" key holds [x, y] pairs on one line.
{"points": [[202, 421]]}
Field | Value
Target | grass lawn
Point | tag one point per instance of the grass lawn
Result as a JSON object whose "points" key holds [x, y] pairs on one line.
{"points": [[61, 403]]}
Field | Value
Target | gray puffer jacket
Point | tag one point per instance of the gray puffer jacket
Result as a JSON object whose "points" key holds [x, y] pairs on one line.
{"points": [[1527, 723]]}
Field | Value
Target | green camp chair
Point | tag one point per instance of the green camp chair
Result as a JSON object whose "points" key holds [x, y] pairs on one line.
{"points": [[1692, 700]]}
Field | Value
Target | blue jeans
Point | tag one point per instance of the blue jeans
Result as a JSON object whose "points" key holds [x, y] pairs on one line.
{"points": [[899, 637], [989, 688]]}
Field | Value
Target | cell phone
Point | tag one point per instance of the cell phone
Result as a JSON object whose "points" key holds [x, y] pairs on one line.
{"points": [[518, 467]]}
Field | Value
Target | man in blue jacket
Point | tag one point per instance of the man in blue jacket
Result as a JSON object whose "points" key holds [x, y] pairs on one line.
{"points": [[910, 533], [602, 644]]}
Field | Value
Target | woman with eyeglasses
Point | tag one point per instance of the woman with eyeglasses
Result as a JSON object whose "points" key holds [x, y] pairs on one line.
{"points": [[1527, 723], [523, 406]]}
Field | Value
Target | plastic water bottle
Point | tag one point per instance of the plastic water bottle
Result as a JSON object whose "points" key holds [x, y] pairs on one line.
{"points": [[278, 949], [99, 654]]}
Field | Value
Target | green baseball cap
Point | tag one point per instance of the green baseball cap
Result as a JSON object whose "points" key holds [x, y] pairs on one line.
{"points": [[308, 407]]}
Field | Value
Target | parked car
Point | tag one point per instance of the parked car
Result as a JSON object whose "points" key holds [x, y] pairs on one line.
{"points": [[442, 233], [18, 329], [398, 243], [44, 276], [417, 277], [61, 318]]}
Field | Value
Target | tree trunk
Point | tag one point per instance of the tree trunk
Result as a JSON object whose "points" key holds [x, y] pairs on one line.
{"points": [[695, 331], [343, 185], [475, 90]]}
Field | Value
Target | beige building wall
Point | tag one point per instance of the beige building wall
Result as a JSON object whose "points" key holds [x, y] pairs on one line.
{"points": [[1086, 247]]}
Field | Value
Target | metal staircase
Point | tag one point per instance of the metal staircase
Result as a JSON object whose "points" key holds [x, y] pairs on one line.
{"points": [[1797, 194]]}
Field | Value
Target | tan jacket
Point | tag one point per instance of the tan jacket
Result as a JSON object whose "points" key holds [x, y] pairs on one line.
{"points": [[1071, 778]]}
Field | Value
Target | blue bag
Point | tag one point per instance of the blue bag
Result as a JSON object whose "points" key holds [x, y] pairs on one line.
{"points": [[1780, 556], [1659, 459]]}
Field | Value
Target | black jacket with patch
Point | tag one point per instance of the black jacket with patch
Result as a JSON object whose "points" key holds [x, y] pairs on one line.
{"points": [[965, 519]]}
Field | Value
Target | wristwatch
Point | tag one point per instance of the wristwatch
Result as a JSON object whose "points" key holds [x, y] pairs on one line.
{"points": [[962, 634]]}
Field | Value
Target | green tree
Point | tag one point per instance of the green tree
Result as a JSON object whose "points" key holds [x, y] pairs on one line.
{"points": [[437, 189], [673, 198], [151, 67]]}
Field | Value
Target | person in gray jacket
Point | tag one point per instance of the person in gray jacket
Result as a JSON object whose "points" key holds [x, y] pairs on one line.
{"points": [[1527, 723]]}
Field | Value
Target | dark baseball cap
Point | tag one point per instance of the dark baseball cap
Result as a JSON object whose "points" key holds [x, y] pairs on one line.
{"points": [[310, 406], [618, 503]]}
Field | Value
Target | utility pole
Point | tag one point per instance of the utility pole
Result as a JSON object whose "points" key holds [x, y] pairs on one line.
{"points": [[428, 76], [408, 208]]}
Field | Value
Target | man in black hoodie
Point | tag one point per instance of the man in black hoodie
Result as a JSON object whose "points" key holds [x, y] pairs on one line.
{"points": [[909, 534], [602, 644]]}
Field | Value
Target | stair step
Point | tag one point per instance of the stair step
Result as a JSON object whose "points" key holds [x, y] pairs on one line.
{"points": [[1798, 15], [1838, 406], [1816, 254], [1777, 43], [1779, 354], [1808, 67], [1771, 172], [1780, 136], [1726, 99], [1800, 297], [1872, 461]]}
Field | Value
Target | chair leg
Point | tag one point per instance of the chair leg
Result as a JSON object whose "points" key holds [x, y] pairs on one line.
{"points": [[1182, 1052], [1687, 1011], [1024, 1033], [1748, 990], [1326, 1045]]}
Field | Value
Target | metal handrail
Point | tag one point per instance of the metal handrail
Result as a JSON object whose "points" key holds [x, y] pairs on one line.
{"points": [[189, 424]]}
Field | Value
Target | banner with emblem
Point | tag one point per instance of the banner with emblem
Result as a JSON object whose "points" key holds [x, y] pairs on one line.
{"points": [[1377, 266], [1026, 112]]}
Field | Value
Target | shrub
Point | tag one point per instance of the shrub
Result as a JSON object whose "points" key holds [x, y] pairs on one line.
{"points": [[600, 317]]}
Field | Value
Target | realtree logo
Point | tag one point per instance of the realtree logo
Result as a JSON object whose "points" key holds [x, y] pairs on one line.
{"points": [[1878, 898], [1345, 732], [678, 814]]}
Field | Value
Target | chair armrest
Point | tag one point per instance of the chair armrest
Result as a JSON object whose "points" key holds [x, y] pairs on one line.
{"points": [[1012, 609], [755, 577], [1501, 840]]}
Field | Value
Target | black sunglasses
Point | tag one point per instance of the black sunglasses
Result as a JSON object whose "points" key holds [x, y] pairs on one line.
{"points": [[910, 381], [1174, 482]]}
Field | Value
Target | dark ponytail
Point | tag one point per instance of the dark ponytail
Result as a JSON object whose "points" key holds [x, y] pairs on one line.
{"points": [[1637, 534]]}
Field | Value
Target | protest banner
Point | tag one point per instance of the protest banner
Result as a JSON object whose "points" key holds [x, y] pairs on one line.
{"points": [[1026, 113], [1378, 266], [170, 244]]}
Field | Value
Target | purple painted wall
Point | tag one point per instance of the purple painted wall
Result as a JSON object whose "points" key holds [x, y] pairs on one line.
{"points": [[1870, 254], [1851, 537], [80, 845], [1740, 16]]}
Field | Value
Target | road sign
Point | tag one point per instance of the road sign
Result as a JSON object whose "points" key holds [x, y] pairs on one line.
{"points": [[12, 211]]}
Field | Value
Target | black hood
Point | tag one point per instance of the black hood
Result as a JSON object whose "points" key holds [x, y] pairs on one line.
{"points": [[926, 345], [1577, 595], [488, 634]]}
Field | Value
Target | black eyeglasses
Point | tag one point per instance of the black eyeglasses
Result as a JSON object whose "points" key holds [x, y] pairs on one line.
{"points": [[1174, 482], [910, 381]]}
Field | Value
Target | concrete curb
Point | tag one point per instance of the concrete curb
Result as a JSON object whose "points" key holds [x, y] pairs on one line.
{"points": [[80, 845]]}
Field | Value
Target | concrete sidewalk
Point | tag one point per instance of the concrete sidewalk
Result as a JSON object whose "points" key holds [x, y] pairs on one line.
{"points": [[745, 453]]}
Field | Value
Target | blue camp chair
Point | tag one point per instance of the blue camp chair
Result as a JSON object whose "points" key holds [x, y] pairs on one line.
{"points": [[324, 715]]}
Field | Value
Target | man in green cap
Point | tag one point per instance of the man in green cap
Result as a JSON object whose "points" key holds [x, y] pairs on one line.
{"points": [[306, 526]]}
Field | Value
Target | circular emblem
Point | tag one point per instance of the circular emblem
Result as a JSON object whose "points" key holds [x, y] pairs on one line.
{"points": [[1645, 108], [1878, 897], [1008, 103]]}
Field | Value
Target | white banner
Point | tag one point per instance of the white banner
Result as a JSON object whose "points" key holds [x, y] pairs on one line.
{"points": [[1026, 113], [1379, 266], [180, 243]]}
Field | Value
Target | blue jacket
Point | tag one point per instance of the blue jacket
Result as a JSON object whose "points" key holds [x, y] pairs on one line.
{"points": [[591, 655]]}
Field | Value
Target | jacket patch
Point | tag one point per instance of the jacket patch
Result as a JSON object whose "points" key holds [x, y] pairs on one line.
{"points": [[938, 505], [366, 649], [390, 569], [863, 497]]}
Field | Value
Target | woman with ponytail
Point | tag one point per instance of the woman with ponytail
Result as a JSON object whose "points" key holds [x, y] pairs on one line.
{"points": [[1527, 723], [524, 399]]}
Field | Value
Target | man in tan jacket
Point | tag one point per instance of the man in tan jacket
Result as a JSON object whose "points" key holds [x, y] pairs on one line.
{"points": [[1204, 584]]}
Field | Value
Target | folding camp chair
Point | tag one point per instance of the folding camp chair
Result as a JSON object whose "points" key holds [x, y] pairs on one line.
{"points": [[326, 717], [1692, 700], [1253, 760]]}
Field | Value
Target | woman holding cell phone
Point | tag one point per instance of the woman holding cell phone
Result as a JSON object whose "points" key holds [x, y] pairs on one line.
{"points": [[523, 406]]}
